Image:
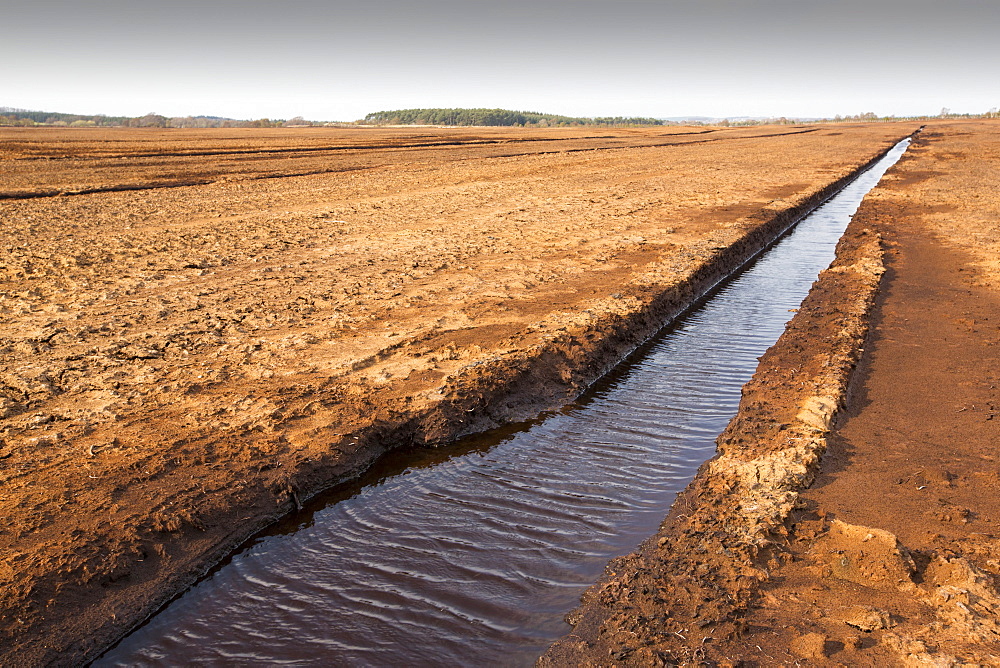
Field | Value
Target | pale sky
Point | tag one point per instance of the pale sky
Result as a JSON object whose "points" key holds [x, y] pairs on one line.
{"points": [[334, 60]]}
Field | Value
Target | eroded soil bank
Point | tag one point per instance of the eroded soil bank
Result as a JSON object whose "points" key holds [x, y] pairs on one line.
{"points": [[182, 365], [847, 524]]}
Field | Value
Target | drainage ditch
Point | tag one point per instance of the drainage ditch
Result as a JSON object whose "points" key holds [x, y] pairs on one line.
{"points": [[473, 554]]}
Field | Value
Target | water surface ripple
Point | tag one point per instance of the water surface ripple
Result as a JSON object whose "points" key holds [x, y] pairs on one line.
{"points": [[473, 555]]}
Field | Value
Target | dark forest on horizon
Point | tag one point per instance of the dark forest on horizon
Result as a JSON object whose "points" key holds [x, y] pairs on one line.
{"points": [[495, 117]]}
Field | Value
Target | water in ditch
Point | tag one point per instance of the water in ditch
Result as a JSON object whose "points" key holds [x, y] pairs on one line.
{"points": [[472, 555]]}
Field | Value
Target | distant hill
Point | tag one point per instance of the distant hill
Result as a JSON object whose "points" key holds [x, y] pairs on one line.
{"points": [[493, 117]]}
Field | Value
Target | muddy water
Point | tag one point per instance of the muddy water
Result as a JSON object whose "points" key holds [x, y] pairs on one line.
{"points": [[472, 555]]}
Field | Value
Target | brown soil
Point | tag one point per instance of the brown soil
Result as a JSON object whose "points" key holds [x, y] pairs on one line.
{"points": [[182, 364], [883, 552]]}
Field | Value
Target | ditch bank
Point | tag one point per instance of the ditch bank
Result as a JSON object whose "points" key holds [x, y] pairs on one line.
{"points": [[68, 611], [883, 552], [694, 581]]}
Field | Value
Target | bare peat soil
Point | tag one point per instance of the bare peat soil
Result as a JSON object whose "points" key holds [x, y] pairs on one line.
{"points": [[200, 330], [882, 551]]}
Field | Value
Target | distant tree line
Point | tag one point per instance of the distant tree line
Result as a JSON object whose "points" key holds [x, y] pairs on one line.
{"points": [[23, 117], [871, 117], [11, 116], [866, 117], [496, 117], [493, 117]]}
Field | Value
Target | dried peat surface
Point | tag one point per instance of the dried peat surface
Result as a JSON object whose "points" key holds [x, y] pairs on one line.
{"points": [[49, 162], [885, 551], [183, 365], [474, 557]]}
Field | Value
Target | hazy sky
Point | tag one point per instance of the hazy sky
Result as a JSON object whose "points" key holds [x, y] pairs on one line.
{"points": [[334, 60]]}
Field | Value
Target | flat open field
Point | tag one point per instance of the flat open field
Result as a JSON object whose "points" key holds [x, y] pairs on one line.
{"points": [[852, 517], [200, 329]]}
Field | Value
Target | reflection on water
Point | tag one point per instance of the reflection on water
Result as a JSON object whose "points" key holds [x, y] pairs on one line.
{"points": [[472, 555]]}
